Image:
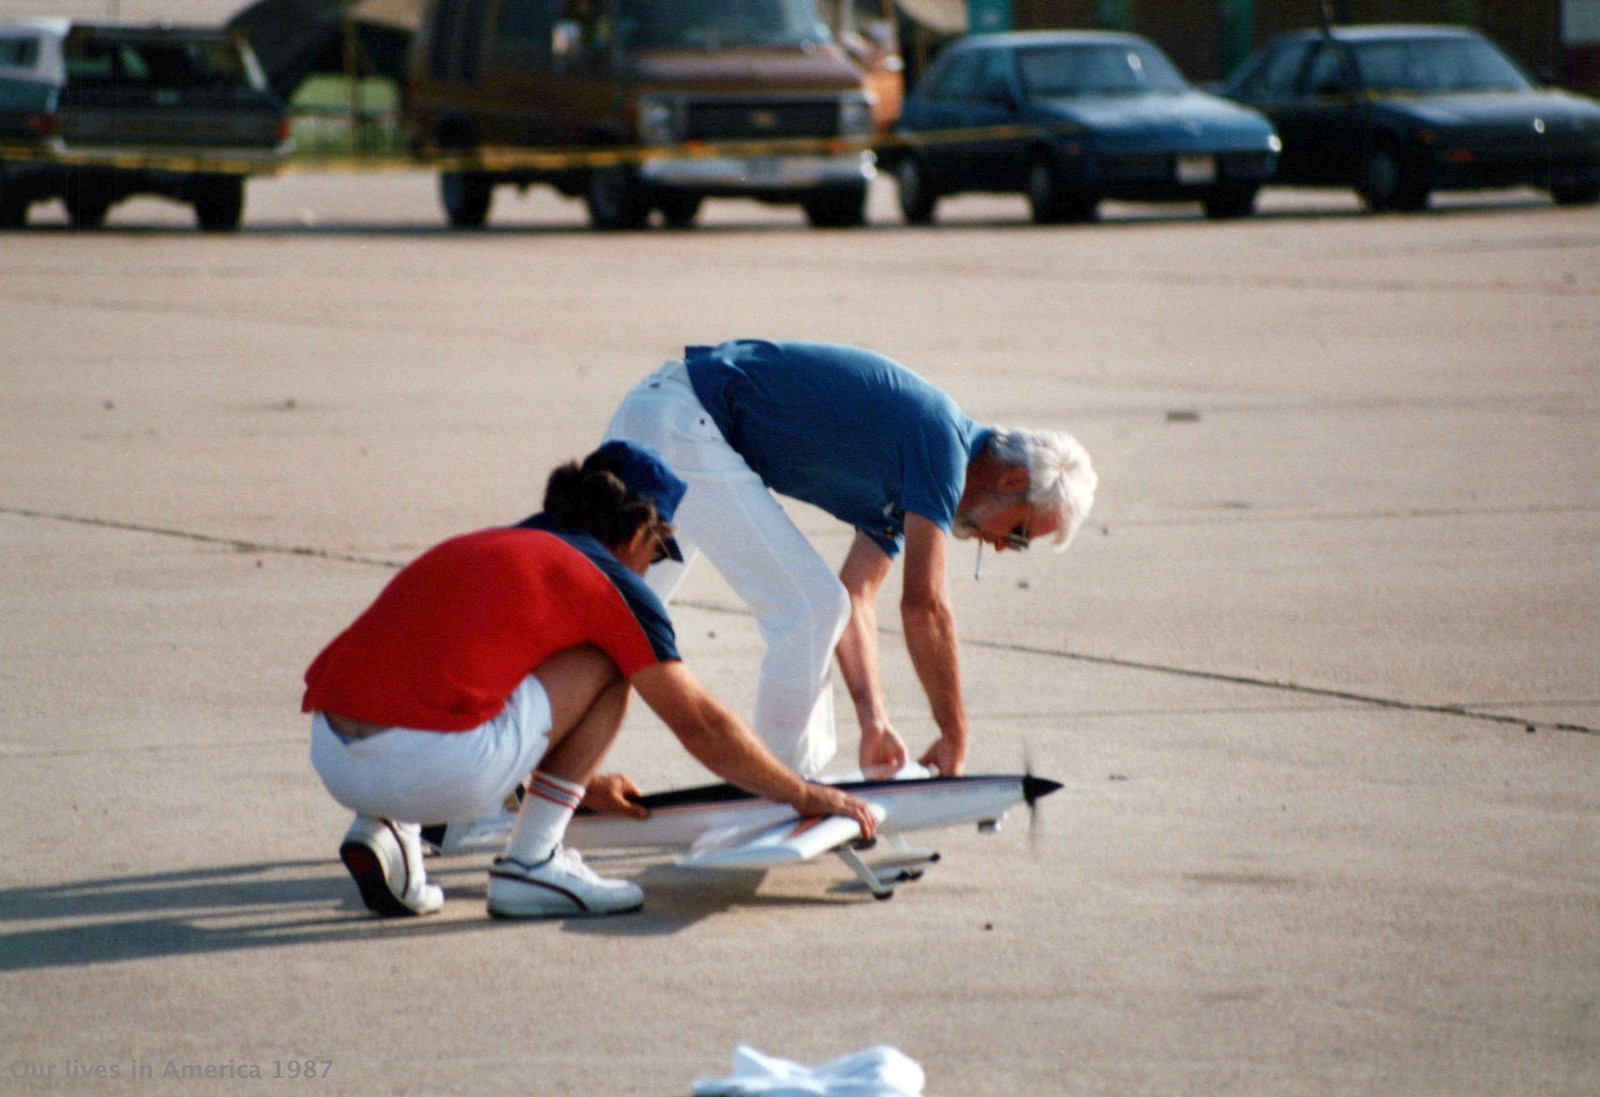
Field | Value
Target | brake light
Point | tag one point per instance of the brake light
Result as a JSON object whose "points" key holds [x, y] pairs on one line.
{"points": [[1460, 156], [44, 125]]}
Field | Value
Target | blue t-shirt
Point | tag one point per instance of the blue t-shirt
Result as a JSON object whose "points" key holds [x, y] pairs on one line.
{"points": [[842, 428]]}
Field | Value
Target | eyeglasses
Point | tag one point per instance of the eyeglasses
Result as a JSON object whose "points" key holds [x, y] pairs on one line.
{"points": [[1018, 540], [661, 552]]}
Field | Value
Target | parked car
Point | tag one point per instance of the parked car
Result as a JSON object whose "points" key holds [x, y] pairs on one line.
{"points": [[155, 97], [586, 76], [1074, 117], [1400, 111]]}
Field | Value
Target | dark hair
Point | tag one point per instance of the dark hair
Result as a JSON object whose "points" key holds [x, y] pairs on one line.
{"points": [[591, 498]]}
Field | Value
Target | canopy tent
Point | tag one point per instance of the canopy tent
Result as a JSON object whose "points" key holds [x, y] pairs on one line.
{"points": [[296, 38]]}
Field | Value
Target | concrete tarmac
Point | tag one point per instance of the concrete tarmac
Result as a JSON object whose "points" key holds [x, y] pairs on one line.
{"points": [[1321, 676]]}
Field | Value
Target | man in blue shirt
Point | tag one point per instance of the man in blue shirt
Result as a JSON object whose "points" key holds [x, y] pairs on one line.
{"points": [[868, 441]]}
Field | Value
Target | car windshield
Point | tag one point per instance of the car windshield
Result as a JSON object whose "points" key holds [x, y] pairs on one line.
{"points": [[1437, 65], [718, 24], [161, 63], [1100, 69]]}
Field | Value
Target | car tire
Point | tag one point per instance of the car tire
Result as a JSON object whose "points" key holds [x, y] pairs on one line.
{"points": [[1228, 203], [1389, 182], [219, 202], [1576, 194], [837, 208], [1051, 201], [679, 209], [917, 198], [86, 209], [466, 197], [617, 200], [13, 208]]}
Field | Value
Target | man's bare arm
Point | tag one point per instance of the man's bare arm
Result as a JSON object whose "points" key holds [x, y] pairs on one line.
{"points": [[721, 742], [931, 640], [865, 568]]}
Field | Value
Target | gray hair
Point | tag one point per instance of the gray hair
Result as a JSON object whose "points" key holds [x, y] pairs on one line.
{"points": [[1061, 481]]}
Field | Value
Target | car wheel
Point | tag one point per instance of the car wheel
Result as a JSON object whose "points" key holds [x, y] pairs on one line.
{"points": [[617, 200], [13, 203], [917, 199], [1051, 200], [1390, 182], [1229, 203], [837, 208], [678, 209], [86, 209], [1576, 194], [219, 202], [466, 196], [13, 207]]}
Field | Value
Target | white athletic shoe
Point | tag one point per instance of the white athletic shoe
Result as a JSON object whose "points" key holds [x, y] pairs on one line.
{"points": [[385, 859], [559, 885]]}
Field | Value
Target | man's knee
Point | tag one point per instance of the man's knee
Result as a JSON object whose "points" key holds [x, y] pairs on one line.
{"points": [[573, 680]]}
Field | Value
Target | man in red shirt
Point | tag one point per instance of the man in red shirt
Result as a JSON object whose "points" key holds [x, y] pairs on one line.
{"points": [[513, 650]]}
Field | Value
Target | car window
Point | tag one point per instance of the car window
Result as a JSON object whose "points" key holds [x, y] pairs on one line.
{"points": [[163, 63], [1054, 71], [19, 53], [994, 77], [959, 79], [1438, 65], [717, 24], [1330, 72], [1277, 74]]}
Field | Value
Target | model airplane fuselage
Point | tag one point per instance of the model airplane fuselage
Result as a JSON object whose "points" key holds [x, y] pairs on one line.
{"points": [[722, 827]]}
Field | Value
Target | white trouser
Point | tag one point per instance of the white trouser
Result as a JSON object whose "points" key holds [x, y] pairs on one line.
{"points": [[732, 517], [434, 776]]}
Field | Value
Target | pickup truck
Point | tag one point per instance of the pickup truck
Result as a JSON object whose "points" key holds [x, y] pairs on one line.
{"points": [[96, 112]]}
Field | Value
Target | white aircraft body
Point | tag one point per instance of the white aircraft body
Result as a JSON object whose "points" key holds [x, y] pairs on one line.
{"points": [[723, 827]]}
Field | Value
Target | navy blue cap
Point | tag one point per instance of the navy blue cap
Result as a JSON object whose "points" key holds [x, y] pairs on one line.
{"points": [[646, 476]]}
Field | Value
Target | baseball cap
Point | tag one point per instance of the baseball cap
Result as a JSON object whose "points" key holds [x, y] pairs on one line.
{"points": [[646, 476]]}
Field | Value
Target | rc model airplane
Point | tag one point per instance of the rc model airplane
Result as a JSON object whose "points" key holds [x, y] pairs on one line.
{"points": [[723, 827]]}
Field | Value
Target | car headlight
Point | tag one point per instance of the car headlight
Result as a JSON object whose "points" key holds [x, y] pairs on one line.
{"points": [[855, 116], [657, 122]]}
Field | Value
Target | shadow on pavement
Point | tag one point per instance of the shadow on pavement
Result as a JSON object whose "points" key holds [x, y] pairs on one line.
{"points": [[268, 905]]}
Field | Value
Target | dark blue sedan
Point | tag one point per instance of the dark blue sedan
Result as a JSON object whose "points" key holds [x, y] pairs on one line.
{"points": [[1069, 118], [1399, 111]]}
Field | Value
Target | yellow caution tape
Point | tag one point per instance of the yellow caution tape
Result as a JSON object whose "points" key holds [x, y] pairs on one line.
{"points": [[499, 159]]}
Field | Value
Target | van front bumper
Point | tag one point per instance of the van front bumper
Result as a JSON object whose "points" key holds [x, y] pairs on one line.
{"points": [[759, 174]]}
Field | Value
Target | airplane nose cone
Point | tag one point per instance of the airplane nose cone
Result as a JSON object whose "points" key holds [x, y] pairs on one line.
{"points": [[1033, 788]]}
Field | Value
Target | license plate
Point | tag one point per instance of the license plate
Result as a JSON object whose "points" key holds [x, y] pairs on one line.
{"points": [[1197, 169]]}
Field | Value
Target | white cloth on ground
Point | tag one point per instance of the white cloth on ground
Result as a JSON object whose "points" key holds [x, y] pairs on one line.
{"points": [[876, 1072]]}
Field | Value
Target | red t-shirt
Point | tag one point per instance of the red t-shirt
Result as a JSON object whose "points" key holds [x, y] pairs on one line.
{"points": [[459, 628]]}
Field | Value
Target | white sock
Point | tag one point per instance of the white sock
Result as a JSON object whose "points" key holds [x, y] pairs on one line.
{"points": [[546, 810]]}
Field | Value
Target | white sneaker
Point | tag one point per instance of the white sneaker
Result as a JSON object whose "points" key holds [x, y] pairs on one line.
{"points": [[385, 859], [559, 885]]}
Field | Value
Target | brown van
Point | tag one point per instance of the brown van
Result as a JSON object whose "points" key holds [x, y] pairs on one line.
{"points": [[509, 75]]}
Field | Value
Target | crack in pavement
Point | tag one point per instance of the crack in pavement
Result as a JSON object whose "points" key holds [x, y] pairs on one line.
{"points": [[1463, 711]]}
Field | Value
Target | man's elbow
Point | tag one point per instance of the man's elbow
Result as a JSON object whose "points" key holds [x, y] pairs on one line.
{"points": [[924, 613]]}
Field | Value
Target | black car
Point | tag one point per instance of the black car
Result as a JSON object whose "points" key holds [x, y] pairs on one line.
{"points": [[1399, 111], [1069, 118]]}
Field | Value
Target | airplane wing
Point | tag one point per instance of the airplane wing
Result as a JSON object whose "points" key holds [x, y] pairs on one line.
{"points": [[784, 843]]}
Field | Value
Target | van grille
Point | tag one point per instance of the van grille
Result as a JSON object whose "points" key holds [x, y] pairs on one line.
{"points": [[709, 120]]}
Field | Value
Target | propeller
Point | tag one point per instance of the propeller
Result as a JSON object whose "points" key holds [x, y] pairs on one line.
{"points": [[1034, 789]]}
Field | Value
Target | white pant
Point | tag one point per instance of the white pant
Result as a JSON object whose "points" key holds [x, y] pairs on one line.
{"points": [[433, 776], [732, 517]]}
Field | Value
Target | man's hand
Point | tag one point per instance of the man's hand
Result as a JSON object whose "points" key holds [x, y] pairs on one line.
{"points": [[883, 752], [826, 800], [946, 758], [614, 792]]}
